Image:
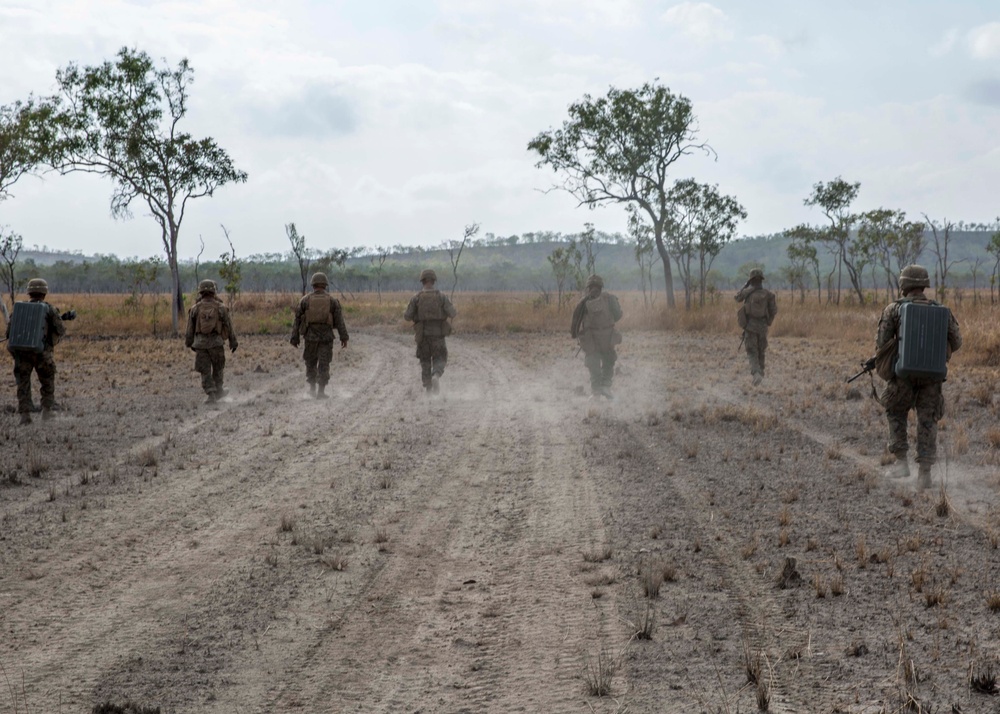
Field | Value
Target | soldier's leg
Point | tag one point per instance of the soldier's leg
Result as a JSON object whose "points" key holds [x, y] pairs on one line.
{"points": [[592, 360], [750, 343], [47, 377], [203, 365], [439, 355], [324, 355], [218, 355], [23, 367], [897, 399], [608, 360], [761, 351], [426, 374], [310, 355], [930, 408]]}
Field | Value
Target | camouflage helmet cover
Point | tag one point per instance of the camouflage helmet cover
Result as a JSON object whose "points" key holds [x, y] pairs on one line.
{"points": [[206, 287], [37, 286], [319, 279], [756, 274], [595, 281], [914, 276], [428, 274]]}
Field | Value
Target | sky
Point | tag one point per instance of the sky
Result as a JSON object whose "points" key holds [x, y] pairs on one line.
{"points": [[384, 122]]}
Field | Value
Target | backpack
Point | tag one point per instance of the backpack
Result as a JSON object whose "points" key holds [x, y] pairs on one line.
{"points": [[756, 304], [208, 318], [28, 326], [598, 314], [741, 317], [319, 309], [922, 352], [429, 306]]}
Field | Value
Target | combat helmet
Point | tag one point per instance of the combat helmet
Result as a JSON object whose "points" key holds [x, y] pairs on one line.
{"points": [[756, 274], [914, 276], [206, 287], [595, 281], [37, 286], [428, 274], [319, 279]]}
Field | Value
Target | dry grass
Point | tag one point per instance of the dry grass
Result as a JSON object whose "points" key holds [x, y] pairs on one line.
{"points": [[599, 672], [597, 554]]}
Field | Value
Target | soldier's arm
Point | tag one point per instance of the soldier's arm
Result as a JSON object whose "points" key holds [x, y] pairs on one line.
{"points": [[338, 320], [449, 309], [954, 334], [227, 322], [578, 312], [58, 328], [887, 326], [297, 322], [616, 308], [772, 308], [189, 334], [411, 310]]}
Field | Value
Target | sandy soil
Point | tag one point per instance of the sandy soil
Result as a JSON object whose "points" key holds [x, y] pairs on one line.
{"points": [[490, 549]]}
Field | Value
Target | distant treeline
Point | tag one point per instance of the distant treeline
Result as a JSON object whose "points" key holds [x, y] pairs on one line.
{"points": [[491, 263]]}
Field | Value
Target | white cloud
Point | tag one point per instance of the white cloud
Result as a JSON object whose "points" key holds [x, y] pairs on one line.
{"points": [[701, 21], [945, 44], [984, 41]]}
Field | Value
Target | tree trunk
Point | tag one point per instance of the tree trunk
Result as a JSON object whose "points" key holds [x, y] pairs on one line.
{"points": [[668, 277]]}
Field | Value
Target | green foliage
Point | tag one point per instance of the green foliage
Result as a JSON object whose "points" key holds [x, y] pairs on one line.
{"points": [[121, 120], [620, 148], [10, 248], [25, 140], [231, 271]]}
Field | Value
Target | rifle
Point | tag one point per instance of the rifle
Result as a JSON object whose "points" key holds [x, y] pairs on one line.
{"points": [[743, 338], [866, 367]]}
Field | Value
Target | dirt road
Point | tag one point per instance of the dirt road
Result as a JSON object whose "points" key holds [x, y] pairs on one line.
{"points": [[488, 550]]}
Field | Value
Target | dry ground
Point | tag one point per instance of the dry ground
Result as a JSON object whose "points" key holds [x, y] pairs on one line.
{"points": [[492, 549]]}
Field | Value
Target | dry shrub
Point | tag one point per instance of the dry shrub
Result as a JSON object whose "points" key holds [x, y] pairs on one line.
{"points": [[993, 437], [598, 554], [599, 672], [651, 577]]}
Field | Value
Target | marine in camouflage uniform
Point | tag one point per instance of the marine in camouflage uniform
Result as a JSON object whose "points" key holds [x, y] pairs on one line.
{"points": [[905, 393], [758, 309], [429, 311], [209, 328], [593, 323], [316, 316], [27, 361]]}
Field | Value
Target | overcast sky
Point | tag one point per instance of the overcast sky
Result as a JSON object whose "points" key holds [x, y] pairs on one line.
{"points": [[377, 122]]}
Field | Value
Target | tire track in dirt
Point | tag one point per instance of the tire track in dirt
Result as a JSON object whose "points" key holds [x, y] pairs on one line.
{"points": [[126, 603], [474, 612]]}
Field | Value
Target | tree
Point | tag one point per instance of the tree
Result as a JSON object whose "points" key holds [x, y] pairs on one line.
{"points": [[25, 139], [560, 259], [302, 254], [906, 246], [377, 259], [121, 120], [942, 242], [796, 273], [802, 250], [643, 248], [10, 247], [877, 231], [231, 270], [834, 199], [588, 242], [993, 248], [619, 149], [455, 252]]}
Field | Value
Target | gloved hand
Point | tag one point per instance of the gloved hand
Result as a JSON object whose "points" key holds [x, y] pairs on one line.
{"points": [[343, 344], [232, 348], [68, 315], [294, 341]]}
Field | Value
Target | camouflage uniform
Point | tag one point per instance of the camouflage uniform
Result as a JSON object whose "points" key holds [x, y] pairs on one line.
{"points": [[429, 311], [317, 326], [903, 394], [593, 323], [26, 361], [755, 332], [209, 348]]}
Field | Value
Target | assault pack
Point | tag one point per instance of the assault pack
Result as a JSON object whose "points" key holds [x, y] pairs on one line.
{"points": [[923, 341], [209, 319], [319, 309], [756, 304], [27, 326]]}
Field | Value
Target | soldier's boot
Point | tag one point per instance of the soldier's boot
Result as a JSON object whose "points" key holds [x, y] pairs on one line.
{"points": [[211, 398], [25, 418], [321, 392], [312, 389], [220, 392], [900, 469], [607, 393], [757, 378], [47, 414], [435, 384], [924, 476]]}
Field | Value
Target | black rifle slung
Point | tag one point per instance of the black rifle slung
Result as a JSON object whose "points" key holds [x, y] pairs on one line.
{"points": [[866, 368]]}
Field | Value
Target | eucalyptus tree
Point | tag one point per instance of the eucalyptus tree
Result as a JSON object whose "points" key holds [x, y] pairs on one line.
{"points": [[620, 148], [121, 120]]}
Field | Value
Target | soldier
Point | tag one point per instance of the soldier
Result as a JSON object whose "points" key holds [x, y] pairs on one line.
{"points": [[921, 393], [315, 318], [209, 327], [429, 311], [30, 359], [593, 323], [756, 315]]}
